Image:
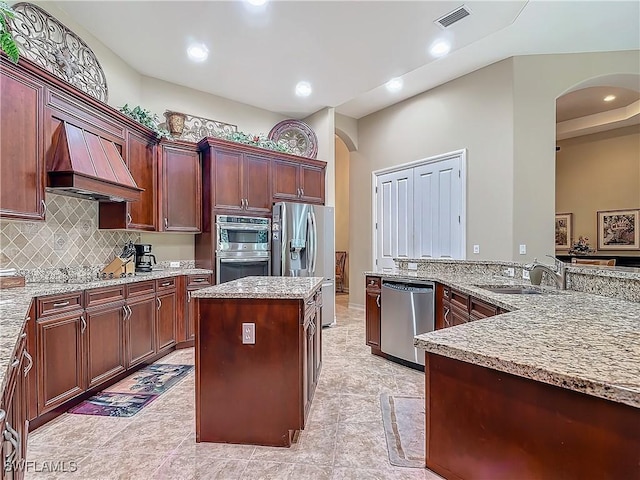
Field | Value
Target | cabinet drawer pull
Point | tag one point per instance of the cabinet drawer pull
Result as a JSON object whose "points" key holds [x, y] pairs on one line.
{"points": [[12, 437], [188, 297], [199, 280], [84, 324], [446, 320], [28, 367], [24, 334], [61, 304], [159, 302], [446, 293], [129, 219], [378, 301], [44, 207], [166, 223], [311, 302], [165, 284], [15, 363], [2, 415]]}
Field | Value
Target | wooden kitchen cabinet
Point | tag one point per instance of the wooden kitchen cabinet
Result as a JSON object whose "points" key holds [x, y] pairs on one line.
{"points": [[14, 415], [239, 181], [256, 393], [166, 299], [312, 344], [22, 169], [104, 335], [192, 283], [140, 156], [181, 187], [301, 181], [373, 312], [60, 330], [140, 329], [455, 308]]}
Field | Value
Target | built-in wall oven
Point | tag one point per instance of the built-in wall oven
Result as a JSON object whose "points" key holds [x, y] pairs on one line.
{"points": [[243, 247]]}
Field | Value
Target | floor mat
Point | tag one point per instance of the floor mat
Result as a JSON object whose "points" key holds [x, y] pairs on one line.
{"points": [[152, 379], [403, 418], [128, 397]]}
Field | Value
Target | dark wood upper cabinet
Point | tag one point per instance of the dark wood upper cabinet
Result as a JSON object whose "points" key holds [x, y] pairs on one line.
{"points": [[141, 159], [22, 179], [181, 188], [298, 181], [257, 183]]}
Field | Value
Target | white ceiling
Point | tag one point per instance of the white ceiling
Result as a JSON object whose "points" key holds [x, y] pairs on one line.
{"points": [[347, 50]]}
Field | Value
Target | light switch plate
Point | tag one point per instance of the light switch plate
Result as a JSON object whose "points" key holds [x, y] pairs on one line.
{"points": [[174, 264], [523, 249], [525, 274], [249, 333], [476, 249], [510, 272], [412, 266]]}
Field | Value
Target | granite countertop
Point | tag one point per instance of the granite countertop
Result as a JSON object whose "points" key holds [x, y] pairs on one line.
{"points": [[15, 302], [580, 341], [263, 287]]}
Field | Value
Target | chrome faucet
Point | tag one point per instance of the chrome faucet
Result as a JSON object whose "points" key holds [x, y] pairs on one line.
{"points": [[557, 271]]}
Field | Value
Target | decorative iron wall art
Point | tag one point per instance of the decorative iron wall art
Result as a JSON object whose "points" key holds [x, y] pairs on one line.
{"points": [[183, 126], [45, 41]]}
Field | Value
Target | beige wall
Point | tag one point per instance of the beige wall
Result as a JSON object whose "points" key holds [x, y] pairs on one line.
{"points": [[598, 172], [342, 200], [538, 80], [504, 115], [323, 124], [473, 112]]}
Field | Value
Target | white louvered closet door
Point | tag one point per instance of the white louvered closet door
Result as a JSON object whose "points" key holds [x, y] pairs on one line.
{"points": [[394, 229], [420, 211]]}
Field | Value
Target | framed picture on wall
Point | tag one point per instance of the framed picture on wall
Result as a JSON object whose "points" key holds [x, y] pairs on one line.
{"points": [[619, 230], [563, 231]]}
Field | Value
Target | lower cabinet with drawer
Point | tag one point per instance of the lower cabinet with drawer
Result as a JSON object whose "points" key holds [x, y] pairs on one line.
{"points": [[166, 299], [454, 307], [60, 366], [104, 335], [373, 313]]}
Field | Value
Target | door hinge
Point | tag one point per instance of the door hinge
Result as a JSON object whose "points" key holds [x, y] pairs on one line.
{"points": [[376, 261], [459, 221], [376, 225], [376, 189], [459, 174]]}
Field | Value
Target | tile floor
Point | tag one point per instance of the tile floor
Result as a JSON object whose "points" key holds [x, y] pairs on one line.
{"points": [[344, 438]]}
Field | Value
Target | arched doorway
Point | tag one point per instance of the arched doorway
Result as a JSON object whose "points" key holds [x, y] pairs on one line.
{"points": [[597, 160]]}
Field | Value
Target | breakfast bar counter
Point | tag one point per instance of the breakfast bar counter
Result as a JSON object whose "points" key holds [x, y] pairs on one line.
{"points": [[258, 359]]}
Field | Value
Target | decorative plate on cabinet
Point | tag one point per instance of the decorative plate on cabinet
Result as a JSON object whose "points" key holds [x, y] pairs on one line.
{"points": [[297, 136]]}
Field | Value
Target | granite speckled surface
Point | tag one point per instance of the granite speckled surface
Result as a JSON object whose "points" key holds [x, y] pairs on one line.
{"points": [[263, 287], [580, 341], [15, 302]]}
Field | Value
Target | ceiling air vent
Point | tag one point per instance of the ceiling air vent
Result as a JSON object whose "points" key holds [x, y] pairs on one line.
{"points": [[452, 17]]}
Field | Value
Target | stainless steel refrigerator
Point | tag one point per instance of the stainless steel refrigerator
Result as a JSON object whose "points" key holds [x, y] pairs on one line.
{"points": [[303, 245]]}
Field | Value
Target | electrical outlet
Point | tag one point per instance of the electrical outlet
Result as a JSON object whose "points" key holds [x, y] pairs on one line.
{"points": [[476, 249], [510, 272], [525, 274], [249, 333], [523, 249], [412, 266], [174, 264]]}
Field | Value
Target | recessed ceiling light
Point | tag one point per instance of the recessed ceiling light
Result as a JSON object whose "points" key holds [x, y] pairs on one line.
{"points": [[609, 98], [256, 3], [394, 85], [198, 52], [303, 89], [440, 48]]}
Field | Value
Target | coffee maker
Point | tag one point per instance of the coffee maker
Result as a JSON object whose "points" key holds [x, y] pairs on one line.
{"points": [[144, 257]]}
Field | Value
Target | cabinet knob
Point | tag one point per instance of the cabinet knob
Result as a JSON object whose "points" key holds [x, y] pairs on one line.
{"points": [[166, 223]]}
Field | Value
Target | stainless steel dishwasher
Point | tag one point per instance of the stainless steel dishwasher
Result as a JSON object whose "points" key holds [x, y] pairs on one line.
{"points": [[407, 310]]}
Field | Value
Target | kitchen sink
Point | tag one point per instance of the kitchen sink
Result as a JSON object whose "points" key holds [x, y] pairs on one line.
{"points": [[513, 289]]}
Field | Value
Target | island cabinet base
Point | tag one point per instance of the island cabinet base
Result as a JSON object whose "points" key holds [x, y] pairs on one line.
{"points": [[481, 423], [250, 393]]}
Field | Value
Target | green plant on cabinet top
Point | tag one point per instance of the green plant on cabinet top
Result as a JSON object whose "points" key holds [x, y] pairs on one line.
{"points": [[146, 118], [7, 43]]}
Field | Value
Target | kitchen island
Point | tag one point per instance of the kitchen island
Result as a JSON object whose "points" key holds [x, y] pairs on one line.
{"points": [[258, 359], [550, 389]]}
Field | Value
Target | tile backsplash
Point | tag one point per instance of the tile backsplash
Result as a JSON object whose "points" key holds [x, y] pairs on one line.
{"points": [[68, 238]]}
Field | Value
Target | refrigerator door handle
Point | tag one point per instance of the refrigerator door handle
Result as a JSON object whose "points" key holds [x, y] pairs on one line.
{"points": [[284, 240], [314, 236]]}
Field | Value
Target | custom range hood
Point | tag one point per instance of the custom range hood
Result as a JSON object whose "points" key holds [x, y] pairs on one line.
{"points": [[88, 166]]}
